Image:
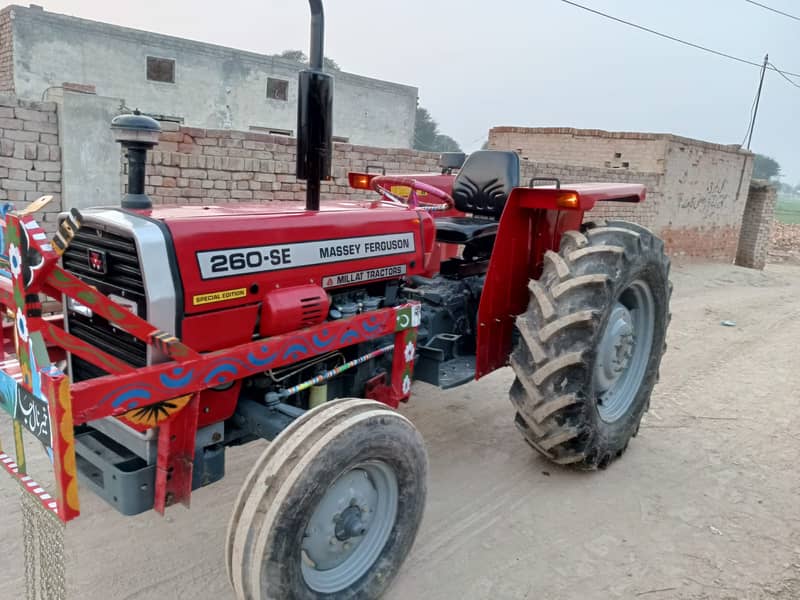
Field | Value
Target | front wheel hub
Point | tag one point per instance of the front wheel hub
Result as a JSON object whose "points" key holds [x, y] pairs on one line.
{"points": [[350, 526]]}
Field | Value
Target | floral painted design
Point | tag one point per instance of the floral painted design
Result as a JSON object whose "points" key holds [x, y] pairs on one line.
{"points": [[14, 260], [409, 352], [406, 385], [22, 326]]}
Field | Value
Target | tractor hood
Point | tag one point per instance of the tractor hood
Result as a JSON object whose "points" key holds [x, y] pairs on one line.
{"points": [[228, 256], [170, 213]]}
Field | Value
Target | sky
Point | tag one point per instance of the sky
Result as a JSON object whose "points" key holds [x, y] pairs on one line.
{"points": [[538, 63]]}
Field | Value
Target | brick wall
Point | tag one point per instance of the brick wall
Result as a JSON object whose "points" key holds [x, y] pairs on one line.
{"points": [[583, 147], [695, 197], [705, 192], [30, 157], [757, 223], [6, 51], [206, 166], [696, 190]]}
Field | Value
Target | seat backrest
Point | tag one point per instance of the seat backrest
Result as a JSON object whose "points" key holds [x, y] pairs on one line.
{"points": [[484, 182]]}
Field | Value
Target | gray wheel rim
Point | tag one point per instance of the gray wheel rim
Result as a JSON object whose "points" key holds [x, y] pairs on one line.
{"points": [[624, 351], [349, 527]]}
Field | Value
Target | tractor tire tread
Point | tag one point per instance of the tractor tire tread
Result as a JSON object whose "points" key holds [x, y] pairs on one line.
{"points": [[555, 352], [258, 468], [275, 464]]}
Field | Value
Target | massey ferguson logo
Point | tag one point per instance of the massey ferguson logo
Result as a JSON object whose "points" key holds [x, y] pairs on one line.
{"points": [[258, 259], [97, 261]]}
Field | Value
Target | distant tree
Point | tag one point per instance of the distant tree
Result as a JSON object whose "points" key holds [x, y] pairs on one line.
{"points": [[425, 130], [444, 143], [765, 167], [485, 145], [295, 55], [299, 56], [427, 136], [330, 64]]}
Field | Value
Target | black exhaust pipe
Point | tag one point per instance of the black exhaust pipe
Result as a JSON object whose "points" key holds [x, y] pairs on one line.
{"points": [[315, 114], [317, 53]]}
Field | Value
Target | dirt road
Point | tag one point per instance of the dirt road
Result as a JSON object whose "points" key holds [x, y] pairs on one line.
{"points": [[704, 505]]}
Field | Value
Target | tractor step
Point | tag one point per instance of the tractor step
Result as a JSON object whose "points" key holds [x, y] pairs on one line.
{"points": [[456, 371], [125, 480], [439, 365]]}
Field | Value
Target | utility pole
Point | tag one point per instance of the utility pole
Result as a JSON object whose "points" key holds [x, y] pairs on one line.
{"points": [[758, 97]]}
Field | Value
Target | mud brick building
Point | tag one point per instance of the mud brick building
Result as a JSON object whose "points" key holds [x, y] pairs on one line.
{"points": [[697, 190]]}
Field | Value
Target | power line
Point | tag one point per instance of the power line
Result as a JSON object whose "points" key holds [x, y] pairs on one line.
{"points": [[783, 74], [675, 39], [663, 35], [775, 10]]}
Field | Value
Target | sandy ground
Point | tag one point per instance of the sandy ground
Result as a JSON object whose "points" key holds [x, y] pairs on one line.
{"points": [[704, 505]]}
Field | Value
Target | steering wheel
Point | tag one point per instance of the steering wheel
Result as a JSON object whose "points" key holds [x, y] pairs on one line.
{"points": [[383, 185]]}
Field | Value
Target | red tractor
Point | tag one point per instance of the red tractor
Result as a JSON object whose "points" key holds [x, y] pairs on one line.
{"points": [[190, 329]]}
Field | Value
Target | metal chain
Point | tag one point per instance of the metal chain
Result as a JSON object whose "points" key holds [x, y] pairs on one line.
{"points": [[43, 539]]}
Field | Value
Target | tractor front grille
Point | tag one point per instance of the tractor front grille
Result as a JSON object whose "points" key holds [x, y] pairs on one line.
{"points": [[110, 263]]}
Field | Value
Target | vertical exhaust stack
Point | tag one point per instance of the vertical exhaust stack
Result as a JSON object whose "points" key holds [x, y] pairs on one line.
{"points": [[137, 134], [315, 114]]}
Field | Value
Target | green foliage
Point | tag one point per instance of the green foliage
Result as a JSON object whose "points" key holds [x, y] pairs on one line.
{"points": [[765, 167], [295, 55], [427, 136], [330, 65], [444, 143], [787, 210], [299, 56], [485, 145], [425, 130]]}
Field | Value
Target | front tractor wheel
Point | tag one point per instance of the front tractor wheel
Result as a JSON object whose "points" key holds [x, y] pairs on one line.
{"points": [[591, 343], [332, 507]]}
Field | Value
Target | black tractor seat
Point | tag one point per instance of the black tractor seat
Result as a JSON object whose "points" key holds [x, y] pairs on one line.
{"points": [[460, 230], [480, 189]]}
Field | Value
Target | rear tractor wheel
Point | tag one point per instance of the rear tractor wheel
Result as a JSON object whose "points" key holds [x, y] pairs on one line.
{"points": [[591, 343], [332, 507]]}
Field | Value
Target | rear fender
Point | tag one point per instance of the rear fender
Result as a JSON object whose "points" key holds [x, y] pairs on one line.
{"points": [[533, 221], [582, 196]]}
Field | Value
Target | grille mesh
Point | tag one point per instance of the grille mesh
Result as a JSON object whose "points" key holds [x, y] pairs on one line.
{"points": [[122, 278]]}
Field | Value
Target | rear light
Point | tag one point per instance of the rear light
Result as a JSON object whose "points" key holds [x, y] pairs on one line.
{"points": [[360, 181], [568, 200]]}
